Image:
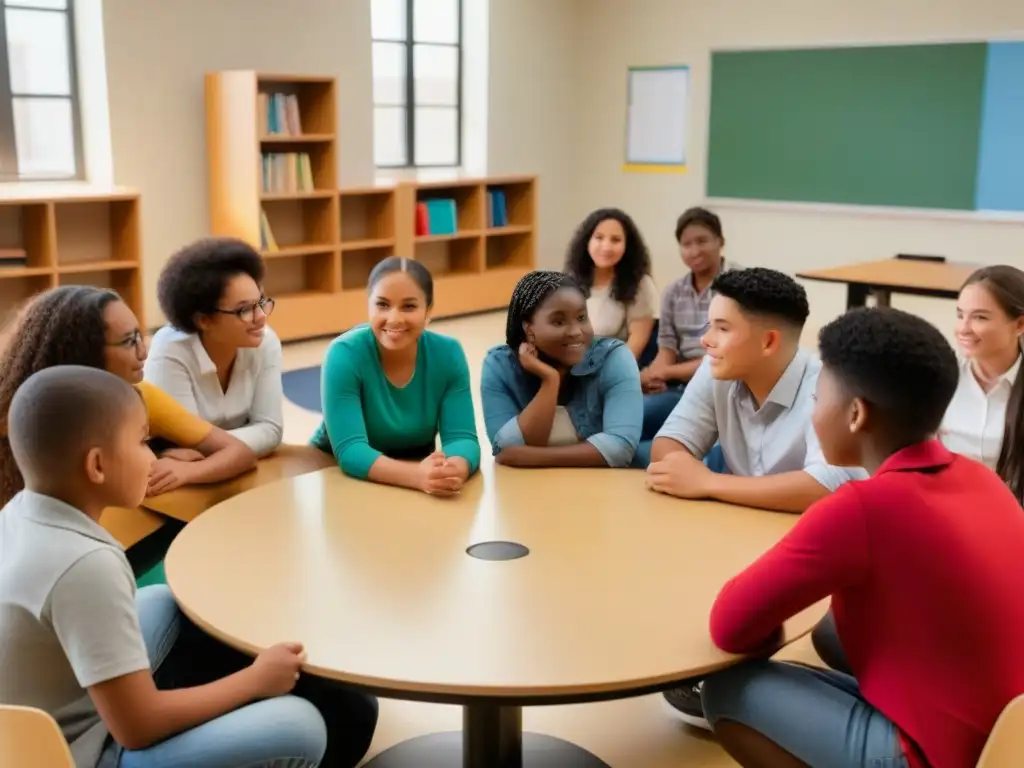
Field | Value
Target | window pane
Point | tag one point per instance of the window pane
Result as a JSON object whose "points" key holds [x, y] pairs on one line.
{"points": [[38, 50], [389, 74], [437, 136], [389, 136], [387, 19], [437, 74], [62, 4], [435, 21], [45, 137]]}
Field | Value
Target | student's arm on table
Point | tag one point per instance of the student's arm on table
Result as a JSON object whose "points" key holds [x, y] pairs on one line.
{"points": [[692, 427], [506, 423], [92, 610], [825, 551], [457, 419], [265, 429]]}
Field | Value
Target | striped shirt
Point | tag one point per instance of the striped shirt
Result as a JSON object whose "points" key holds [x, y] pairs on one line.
{"points": [[684, 316]]}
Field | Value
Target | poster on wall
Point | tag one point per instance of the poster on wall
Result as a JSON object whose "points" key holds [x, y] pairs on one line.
{"points": [[657, 118]]}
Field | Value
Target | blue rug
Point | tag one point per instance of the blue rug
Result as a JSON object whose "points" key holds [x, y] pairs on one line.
{"points": [[302, 387]]}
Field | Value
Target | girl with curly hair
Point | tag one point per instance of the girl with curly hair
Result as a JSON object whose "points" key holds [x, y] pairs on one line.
{"points": [[93, 327], [609, 259]]}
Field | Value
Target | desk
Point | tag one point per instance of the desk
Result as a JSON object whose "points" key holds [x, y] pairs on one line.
{"points": [[187, 503], [888, 276], [612, 599]]}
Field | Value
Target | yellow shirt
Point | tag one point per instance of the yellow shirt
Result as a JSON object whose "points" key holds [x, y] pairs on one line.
{"points": [[168, 419]]}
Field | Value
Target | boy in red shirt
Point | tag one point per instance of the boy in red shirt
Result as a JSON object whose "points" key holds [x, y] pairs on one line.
{"points": [[923, 564]]}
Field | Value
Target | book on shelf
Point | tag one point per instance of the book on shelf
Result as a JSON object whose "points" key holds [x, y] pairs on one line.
{"points": [[497, 209], [267, 241], [279, 114], [436, 217], [282, 172], [13, 257]]}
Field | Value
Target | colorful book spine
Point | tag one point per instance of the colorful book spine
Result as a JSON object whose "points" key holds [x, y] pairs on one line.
{"points": [[442, 216], [267, 241], [279, 114], [497, 209], [285, 172]]}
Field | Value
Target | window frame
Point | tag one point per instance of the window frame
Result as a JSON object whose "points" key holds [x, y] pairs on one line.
{"points": [[9, 171], [409, 42]]}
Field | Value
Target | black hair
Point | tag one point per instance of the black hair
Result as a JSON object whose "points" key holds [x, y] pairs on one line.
{"points": [[60, 327], [898, 363], [702, 217], [1006, 286], [58, 413], [530, 292], [193, 280], [415, 269], [631, 269], [766, 292]]}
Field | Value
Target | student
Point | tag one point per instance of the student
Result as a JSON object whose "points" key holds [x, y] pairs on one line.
{"points": [[553, 395], [391, 387], [82, 325], [75, 638], [984, 420], [684, 316], [753, 393], [218, 357], [609, 260], [934, 647]]}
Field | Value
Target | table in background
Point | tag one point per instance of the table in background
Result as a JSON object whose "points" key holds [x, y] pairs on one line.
{"points": [[187, 503], [611, 600], [917, 277]]}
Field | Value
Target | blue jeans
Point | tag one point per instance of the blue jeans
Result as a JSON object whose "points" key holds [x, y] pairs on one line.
{"points": [[657, 407], [322, 724], [817, 715]]}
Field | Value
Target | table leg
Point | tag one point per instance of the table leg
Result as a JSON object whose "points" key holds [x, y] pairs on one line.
{"points": [[856, 295], [882, 298], [492, 737]]}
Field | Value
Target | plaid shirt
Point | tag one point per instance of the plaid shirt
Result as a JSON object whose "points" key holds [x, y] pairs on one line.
{"points": [[684, 316]]}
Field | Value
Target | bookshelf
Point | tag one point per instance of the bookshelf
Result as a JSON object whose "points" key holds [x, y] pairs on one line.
{"points": [[324, 240], [65, 234]]}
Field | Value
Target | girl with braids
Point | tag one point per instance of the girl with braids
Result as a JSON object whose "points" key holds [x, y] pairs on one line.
{"points": [[553, 395], [609, 259], [985, 421], [82, 325]]}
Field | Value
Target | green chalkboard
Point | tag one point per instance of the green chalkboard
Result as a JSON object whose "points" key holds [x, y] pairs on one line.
{"points": [[891, 125]]}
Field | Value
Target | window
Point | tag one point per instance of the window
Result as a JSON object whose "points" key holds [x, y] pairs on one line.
{"points": [[417, 83], [40, 130]]}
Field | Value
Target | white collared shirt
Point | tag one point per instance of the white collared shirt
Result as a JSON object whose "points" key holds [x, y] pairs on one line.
{"points": [[974, 421], [250, 409]]}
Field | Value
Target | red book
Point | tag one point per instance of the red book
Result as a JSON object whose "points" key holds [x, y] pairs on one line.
{"points": [[422, 220]]}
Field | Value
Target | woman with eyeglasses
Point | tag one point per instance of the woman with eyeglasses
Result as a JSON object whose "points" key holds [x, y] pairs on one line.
{"points": [[83, 325], [218, 357]]}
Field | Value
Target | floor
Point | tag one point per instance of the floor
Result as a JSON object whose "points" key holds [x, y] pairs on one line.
{"points": [[630, 733]]}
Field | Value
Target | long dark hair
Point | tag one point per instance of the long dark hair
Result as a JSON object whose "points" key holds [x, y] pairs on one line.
{"points": [[1006, 285], [631, 269], [63, 326]]}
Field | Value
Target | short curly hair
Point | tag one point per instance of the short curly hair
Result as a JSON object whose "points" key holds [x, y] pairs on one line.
{"points": [[897, 362], [629, 272], [193, 280], [63, 326], [767, 292]]}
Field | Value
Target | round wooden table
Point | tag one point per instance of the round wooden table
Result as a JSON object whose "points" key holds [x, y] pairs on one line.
{"points": [[607, 594]]}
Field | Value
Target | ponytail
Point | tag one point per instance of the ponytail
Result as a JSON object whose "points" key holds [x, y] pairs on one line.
{"points": [[1010, 466]]}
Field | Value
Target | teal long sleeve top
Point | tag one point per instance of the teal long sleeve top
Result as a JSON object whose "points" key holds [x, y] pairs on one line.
{"points": [[365, 416]]}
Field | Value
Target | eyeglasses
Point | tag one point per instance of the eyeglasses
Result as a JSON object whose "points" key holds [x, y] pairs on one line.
{"points": [[248, 313], [135, 339]]}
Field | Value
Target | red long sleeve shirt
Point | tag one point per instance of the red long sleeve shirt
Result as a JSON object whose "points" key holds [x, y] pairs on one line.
{"points": [[925, 565]]}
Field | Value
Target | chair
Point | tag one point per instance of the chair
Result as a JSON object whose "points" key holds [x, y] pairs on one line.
{"points": [[1005, 745], [31, 737]]}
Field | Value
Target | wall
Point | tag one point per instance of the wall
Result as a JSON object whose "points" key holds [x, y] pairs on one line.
{"points": [[670, 31], [157, 54]]}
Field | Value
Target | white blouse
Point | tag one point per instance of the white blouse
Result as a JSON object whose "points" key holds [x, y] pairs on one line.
{"points": [[251, 409], [974, 422]]}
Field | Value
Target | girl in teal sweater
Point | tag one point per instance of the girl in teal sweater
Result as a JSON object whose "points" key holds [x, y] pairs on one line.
{"points": [[391, 386]]}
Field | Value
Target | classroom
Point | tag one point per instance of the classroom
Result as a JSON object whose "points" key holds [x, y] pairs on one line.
{"points": [[542, 383]]}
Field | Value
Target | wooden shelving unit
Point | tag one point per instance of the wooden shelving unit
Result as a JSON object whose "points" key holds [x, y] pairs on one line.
{"points": [[70, 235], [328, 239]]}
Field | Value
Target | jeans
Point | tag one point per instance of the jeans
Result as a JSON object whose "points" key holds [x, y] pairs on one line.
{"points": [[657, 407], [827, 645], [817, 715], [321, 724]]}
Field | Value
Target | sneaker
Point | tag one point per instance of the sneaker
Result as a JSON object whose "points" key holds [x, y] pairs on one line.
{"points": [[684, 703]]}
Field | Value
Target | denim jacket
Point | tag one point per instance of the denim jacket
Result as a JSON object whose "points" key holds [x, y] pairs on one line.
{"points": [[606, 405]]}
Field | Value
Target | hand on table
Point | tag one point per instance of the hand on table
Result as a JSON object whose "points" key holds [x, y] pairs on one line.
{"points": [[441, 475], [276, 669], [182, 454], [166, 475], [680, 474]]}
